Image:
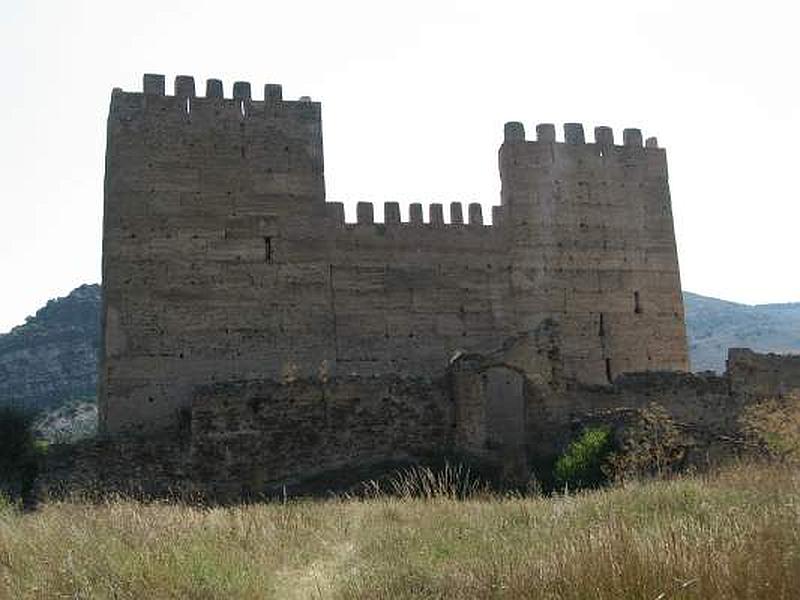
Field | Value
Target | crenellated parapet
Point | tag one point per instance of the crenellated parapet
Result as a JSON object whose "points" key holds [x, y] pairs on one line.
{"points": [[514, 132], [225, 145], [365, 215], [223, 259], [605, 157], [184, 101]]}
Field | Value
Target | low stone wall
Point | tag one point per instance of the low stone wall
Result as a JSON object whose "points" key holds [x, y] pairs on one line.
{"points": [[757, 376], [156, 465], [245, 439], [250, 438], [701, 406], [258, 435]]}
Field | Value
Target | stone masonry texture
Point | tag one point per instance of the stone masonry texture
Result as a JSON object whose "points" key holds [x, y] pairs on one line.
{"points": [[223, 263], [260, 437]]}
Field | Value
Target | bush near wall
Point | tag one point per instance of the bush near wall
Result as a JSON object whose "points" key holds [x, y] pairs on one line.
{"points": [[581, 464], [773, 426], [19, 454], [622, 446], [649, 445]]}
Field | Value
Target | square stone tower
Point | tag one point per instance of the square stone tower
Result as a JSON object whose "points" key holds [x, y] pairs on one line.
{"points": [[592, 246], [204, 197]]}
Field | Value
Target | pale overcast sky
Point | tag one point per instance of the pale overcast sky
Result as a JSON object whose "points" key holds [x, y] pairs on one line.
{"points": [[414, 96]]}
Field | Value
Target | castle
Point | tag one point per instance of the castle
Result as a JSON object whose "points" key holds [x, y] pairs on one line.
{"points": [[224, 268]]}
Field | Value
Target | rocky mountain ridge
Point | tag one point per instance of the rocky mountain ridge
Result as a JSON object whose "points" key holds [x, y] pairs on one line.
{"points": [[52, 358]]}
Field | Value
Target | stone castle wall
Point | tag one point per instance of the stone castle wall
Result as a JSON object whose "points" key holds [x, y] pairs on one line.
{"points": [[222, 261], [248, 436], [498, 410]]}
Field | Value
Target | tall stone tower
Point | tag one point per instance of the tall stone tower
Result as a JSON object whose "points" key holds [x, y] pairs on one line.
{"points": [[203, 196], [592, 246]]}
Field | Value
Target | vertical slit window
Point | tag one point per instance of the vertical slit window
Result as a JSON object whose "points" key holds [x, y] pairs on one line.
{"points": [[602, 330], [268, 250], [637, 305], [608, 371]]}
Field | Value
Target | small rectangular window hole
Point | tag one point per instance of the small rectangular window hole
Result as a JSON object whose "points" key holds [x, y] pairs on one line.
{"points": [[268, 250]]}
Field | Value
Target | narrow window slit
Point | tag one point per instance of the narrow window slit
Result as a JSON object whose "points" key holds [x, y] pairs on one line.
{"points": [[602, 331], [637, 305], [268, 250], [608, 371]]}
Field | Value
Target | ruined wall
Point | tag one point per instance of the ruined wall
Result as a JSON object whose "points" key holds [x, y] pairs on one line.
{"points": [[760, 376], [701, 405], [705, 408], [136, 466], [223, 262], [250, 435], [593, 247], [253, 437]]}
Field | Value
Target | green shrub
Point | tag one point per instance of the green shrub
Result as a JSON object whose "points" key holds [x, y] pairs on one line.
{"points": [[581, 464]]}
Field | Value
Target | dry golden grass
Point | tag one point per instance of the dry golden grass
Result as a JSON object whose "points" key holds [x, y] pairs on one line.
{"points": [[774, 424], [734, 535]]}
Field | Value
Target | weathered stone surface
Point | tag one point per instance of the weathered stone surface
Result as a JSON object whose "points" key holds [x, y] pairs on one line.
{"points": [[223, 262], [501, 409], [760, 376], [249, 436], [591, 245]]}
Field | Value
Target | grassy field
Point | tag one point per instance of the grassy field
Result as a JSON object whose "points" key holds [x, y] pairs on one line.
{"points": [[733, 535]]}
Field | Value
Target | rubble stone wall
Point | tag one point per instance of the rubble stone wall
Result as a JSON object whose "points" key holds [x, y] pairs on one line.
{"points": [[248, 438], [252, 436], [760, 376]]}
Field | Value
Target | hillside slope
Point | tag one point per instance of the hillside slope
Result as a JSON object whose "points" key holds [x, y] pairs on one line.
{"points": [[52, 358], [713, 326]]}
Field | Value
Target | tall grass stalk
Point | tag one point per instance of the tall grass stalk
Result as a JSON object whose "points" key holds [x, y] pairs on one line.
{"points": [[733, 535]]}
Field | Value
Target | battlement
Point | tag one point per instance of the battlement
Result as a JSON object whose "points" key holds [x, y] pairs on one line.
{"points": [[184, 100], [572, 155], [514, 132], [222, 259], [155, 85], [365, 215]]}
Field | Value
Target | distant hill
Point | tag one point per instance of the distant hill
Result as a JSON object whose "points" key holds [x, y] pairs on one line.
{"points": [[714, 325], [51, 360]]}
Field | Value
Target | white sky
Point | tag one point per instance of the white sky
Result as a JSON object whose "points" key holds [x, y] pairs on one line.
{"points": [[414, 96]]}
